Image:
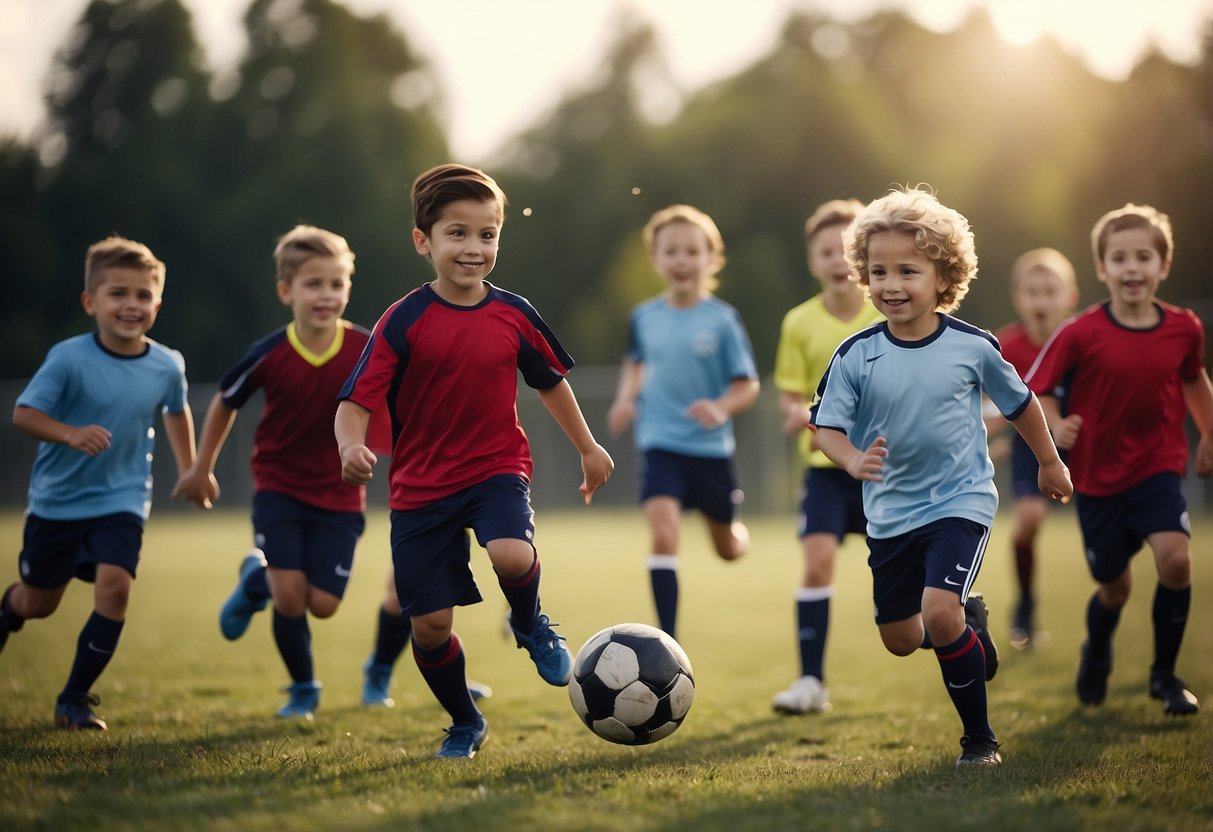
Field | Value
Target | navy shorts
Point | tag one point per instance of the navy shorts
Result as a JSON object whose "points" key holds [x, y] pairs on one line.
{"points": [[831, 502], [1114, 528], [55, 551], [708, 484], [945, 554], [431, 551], [315, 541]]}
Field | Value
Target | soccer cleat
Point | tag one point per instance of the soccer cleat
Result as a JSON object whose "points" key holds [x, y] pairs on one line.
{"points": [[464, 739], [1177, 700], [978, 751], [1021, 625], [305, 699], [1092, 683], [547, 651], [806, 695], [238, 610], [74, 711], [977, 616], [376, 681]]}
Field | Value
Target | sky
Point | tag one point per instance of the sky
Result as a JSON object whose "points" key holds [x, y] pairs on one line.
{"points": [[541, 48]]}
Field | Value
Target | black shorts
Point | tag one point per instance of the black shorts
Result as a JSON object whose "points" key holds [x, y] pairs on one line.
{"points": [[317, 542], [708, 484], [945, 554], [831, 502], [55, 551], [1115, 527]]}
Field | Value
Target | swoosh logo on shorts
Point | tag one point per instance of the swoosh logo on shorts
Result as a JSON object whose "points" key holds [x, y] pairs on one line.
{"points": [[948, 580], [341, 573]]}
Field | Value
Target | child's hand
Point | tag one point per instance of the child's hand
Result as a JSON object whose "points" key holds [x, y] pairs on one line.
{"points": [[199, 487], [1067, 431], [1054, 481], [870, 464], [596, 468], [707, 413], [620, 415], [1204, 456], [356, 464], [796, 420], [91, 439]]}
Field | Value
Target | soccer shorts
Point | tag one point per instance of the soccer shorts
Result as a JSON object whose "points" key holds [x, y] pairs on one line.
{"points": [[945, 554], [708, 484], [55, 551], [831, 502], [318, 542], [1115, 527]]}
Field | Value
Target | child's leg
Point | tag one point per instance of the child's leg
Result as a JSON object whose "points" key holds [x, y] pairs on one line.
{"points": [[291, 632], [813, 602], [393, 629], [440, 658], [21, 602], [1172, 597], [962, 660], [518, 571], [1029, 514], [99, 637], [663, 515], [731, 540]]}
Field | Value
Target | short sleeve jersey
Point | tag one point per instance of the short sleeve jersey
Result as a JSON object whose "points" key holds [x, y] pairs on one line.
{"points": [[807, 340], [82, 383], [688, 354], [448, 375], [924, 398], [1127, 385], [294, 448]]}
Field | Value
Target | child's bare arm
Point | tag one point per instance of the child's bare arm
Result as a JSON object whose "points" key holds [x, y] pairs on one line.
{"points": [[90, 439], [862, 465], [712, 413], [795, 413], [596, 463], [357, 460], [198, 484], [623, 410], [1054, 478], [1198, 395], [179, 429]]}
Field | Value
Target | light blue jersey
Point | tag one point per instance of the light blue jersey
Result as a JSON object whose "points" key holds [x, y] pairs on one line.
{"points": [[81, 383], [688, 354], [924, 397]]}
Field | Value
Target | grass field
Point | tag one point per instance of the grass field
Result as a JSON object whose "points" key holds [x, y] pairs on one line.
{"points": [[193, 742]]}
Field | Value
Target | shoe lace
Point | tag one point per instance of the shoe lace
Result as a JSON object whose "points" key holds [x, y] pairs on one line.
{"points": [[543, 634]]}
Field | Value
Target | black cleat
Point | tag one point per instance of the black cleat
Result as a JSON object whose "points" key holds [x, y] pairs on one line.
{"points": [[977, 616], [978, 751], [1092, 683], [75, 712], [1177, 700]]}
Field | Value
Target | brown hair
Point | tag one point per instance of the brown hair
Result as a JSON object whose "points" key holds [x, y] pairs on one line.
{"points": [[691, 216], [1046, 258], [1133, 216], [302, 243], [439, 186], [119, 253], [834, 212]]}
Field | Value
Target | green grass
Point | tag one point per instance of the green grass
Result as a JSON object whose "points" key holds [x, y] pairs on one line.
{"points": [[193, 743]]}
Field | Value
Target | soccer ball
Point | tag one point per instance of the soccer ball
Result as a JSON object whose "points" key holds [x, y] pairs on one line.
{"points": [[632, 684]]}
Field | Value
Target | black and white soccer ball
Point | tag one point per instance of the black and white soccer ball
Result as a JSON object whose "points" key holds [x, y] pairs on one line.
{"points": [[632, 684]]}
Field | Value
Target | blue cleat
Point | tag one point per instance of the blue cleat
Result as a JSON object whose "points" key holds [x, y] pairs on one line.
{"points": [[377, 681], [238, 610], [74, 711], [547, 651], [305, 699], [464, 739]]}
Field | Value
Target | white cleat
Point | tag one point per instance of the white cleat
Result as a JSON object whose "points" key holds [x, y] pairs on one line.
{"points": [[807, 695]]}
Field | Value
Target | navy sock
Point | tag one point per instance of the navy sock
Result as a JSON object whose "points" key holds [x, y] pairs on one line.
{"points": [[813, 622], [522, 594], [1101, 623], [10, 622], [1025, 567], [663, 576], [1170, 617], [444, 670], [963, 663], [391, 636], [94, 648], [256, 585], [294, 640]]}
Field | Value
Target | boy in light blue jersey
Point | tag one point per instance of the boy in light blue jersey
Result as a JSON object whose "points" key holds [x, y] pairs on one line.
{"points": [[92, 404], [908, 393], [689, 369]]}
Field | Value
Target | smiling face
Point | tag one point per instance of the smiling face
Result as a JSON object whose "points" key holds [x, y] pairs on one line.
{"points": [[317, 294], [826, 261], [462, 244], [125, 303], [904, 284], [1132, 268], [684, 259]]}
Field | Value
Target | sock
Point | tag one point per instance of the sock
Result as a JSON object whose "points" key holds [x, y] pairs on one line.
{"points": [[813, 622], [10, 622], [444, 670], [1025, 567], [1101, 623], [257, 585], [1170, 618], [522, 594], [963, 663], [294, 640], [663, 575], [94, 648], [391, 636]]}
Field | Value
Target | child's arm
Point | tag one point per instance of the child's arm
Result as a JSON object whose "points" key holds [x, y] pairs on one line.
{"points": [[795, 414], [862, 465], [712, 413], [623, 410], [1064, 429], [1198, 395], [90, 439], [596, 463], [198, 484], [179, 428], [357, 459], [1054, 478]]}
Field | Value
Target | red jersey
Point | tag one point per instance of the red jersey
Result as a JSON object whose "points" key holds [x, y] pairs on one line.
{"points": [[1127, 385], [1017, 347], [449, 376], [294, 448]]}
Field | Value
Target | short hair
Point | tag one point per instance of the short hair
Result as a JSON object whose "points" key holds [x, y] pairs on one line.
{"points": [[1049, 259], [302, 243], [691, 216], [439, 186], [116, 252], [1133, 216], [834, 212], [940, 233]]}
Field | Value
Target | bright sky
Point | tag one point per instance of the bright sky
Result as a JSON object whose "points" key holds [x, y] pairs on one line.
{"points": [[539, 48]]}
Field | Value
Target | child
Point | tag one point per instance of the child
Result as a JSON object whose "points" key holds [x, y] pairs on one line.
{"points": [[92, 405], [444, 361], [1133, 362], [900, 408], [306, 520], [831, 502], [689, 369], [1044, 292]]}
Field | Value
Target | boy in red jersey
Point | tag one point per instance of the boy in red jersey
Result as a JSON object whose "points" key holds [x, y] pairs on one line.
{"points": [[306, 519], [1131, 364], [1044, 292], [444, 361]]}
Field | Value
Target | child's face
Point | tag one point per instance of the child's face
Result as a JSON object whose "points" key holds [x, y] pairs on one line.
{"points": [[683, 257], [318, 293], [904, 283], [1131, 267], [125, 305], [1043, 300], [462, 245], [826, 262]]}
